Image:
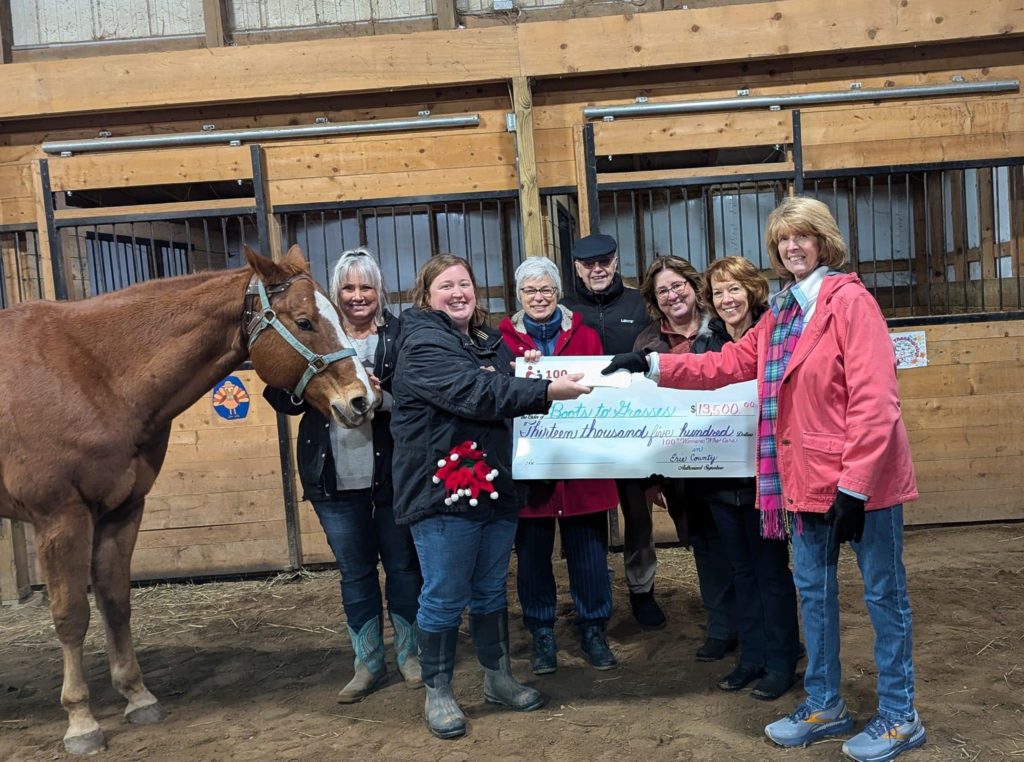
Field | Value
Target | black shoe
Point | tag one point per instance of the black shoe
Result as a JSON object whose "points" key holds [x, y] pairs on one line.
{"points": [[741, 677], [715, 649], [647, 611], [595, 648], [545, 651], [773, 685]]}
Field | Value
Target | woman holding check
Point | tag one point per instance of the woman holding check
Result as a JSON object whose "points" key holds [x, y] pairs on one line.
{"points": [[454, 397], [833, 459], [543, 327]]}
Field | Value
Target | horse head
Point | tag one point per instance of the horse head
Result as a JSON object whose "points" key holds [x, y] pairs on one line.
{"points": [[308, 352]]}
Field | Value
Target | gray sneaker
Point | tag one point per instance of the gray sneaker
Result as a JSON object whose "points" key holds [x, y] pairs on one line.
{"points": [[806, 725]]}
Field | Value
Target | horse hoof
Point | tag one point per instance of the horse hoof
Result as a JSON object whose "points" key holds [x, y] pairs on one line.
{"points": [[146, 715], [85, 745]]}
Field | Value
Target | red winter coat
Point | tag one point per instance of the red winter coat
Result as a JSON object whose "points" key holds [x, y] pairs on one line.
{"points": [[839, 421], [570, 497]]}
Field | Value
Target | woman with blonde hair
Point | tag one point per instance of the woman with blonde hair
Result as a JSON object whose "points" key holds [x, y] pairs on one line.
{"points": [[346, 475], [833, 466]]}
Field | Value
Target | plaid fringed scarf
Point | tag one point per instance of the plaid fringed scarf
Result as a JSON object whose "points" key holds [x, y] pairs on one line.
{"points": [[788, 327]]}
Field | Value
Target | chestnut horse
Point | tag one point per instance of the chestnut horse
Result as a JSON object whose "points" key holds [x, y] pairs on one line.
{"points": [[88, 391]]}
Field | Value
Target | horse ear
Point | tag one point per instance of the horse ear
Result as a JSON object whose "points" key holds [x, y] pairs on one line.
{"points": [[295, 261], [264, 267]]}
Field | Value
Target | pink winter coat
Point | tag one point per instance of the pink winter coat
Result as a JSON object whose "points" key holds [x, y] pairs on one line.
{"points": [[839, 421], [573, 497]]}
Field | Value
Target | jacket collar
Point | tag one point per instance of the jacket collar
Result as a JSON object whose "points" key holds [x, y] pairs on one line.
{"points": [[519, 321], [610, 294]]}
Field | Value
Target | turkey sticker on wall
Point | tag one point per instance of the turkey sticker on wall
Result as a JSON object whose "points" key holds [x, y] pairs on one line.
{"points": [[230, 399], [911, 349]]}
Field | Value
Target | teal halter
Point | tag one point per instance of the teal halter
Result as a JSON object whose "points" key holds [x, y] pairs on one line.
{"points": [[267, 318]]}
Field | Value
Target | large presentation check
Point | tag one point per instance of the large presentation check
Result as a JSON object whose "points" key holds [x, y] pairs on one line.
{"points": [[628, 427]]}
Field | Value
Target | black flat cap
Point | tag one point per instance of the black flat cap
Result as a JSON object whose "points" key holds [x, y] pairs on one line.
{"points": [[593, 246]]}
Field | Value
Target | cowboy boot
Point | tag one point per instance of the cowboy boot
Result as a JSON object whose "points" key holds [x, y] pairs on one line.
{"points": [[437, 660], [370, 670], [405, 651], [490, 636]]}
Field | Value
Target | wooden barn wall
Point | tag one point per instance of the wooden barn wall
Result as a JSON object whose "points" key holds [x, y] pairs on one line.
{"points": [[218, 505]]}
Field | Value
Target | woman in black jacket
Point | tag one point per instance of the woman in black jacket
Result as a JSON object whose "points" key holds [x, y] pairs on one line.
{"points": [[453, 386], [346, 475], [766, 620]]}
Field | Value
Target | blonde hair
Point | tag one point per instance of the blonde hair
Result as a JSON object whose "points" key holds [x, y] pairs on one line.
{"points": [[428, 273], [801, 215], [744, 272], [361, 261]]}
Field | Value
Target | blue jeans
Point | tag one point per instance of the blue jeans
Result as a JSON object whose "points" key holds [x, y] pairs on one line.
{"points": [[765, 597], [361, 533], [464, 557], [880, 558], [585, 542]]}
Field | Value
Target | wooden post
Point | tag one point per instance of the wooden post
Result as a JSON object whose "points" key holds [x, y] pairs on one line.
{"points": [[582, 193], [14, 567], [214, 20], [526, 159], [447, 16]]}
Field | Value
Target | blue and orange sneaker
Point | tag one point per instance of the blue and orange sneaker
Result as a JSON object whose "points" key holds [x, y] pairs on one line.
{"points": [[806, 725], [884, 739]]}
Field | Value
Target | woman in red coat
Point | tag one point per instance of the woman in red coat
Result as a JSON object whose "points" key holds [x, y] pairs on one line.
{"points": [[581, 506]]}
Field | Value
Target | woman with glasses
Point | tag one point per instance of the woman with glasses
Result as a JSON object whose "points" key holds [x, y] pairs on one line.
{"points": [[671, 291], [346, 475], [581, 506], [833, 466]]}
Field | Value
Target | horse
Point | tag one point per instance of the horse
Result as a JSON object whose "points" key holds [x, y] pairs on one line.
{"points": [[88, 391]]}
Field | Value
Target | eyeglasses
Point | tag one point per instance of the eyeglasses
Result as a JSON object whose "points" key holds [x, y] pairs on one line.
{"points": [[547, 292], [590, 264], [678, 289]]}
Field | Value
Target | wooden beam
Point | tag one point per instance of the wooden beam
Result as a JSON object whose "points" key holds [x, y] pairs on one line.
{"points": [[447, 16], [6, 32], [282, 71], [526, 159], [691, 132], [615, 44], [14, 568], [215, 22]]}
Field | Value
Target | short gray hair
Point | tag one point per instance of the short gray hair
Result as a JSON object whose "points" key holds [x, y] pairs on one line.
{"points": [[361, 260], [538, 267]]}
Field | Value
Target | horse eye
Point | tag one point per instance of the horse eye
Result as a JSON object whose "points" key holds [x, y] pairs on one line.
{"points": [[304, 324]]}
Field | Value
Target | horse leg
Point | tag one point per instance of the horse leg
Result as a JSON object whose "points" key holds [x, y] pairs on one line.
{"points": [[113, 543], [64, 545]]}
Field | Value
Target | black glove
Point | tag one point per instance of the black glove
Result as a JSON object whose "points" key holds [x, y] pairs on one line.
{"points": [[634, 362], [846, 517]]}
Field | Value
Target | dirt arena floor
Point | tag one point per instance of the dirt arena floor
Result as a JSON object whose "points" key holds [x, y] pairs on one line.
{"points": [[249, 671]]}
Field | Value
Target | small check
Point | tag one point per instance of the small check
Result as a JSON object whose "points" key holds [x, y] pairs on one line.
{"points": [[555, 367]]}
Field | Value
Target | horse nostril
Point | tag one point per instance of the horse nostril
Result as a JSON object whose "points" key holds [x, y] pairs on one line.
{"points": [[360, 405]]}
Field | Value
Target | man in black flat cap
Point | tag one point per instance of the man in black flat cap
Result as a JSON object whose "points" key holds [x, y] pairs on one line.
{"points": [[618, 314]]}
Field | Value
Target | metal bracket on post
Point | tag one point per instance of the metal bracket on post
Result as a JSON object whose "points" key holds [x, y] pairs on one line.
{"points": [[591, 169], [798, 154], [510, 121]]}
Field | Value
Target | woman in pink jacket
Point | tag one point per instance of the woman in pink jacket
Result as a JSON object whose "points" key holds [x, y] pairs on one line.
{"points": [[833, 466], [581, 506]]}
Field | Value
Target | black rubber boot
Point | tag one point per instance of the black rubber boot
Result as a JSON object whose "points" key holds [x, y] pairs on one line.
{"points": [[437, 663], [490, 636]]}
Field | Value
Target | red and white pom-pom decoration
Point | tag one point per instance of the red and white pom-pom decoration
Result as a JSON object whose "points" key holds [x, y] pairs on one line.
{"points": [[465, 473]]}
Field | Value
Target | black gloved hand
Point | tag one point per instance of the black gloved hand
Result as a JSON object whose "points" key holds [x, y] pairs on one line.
{"points": [[846, 517], [634, 362]]}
